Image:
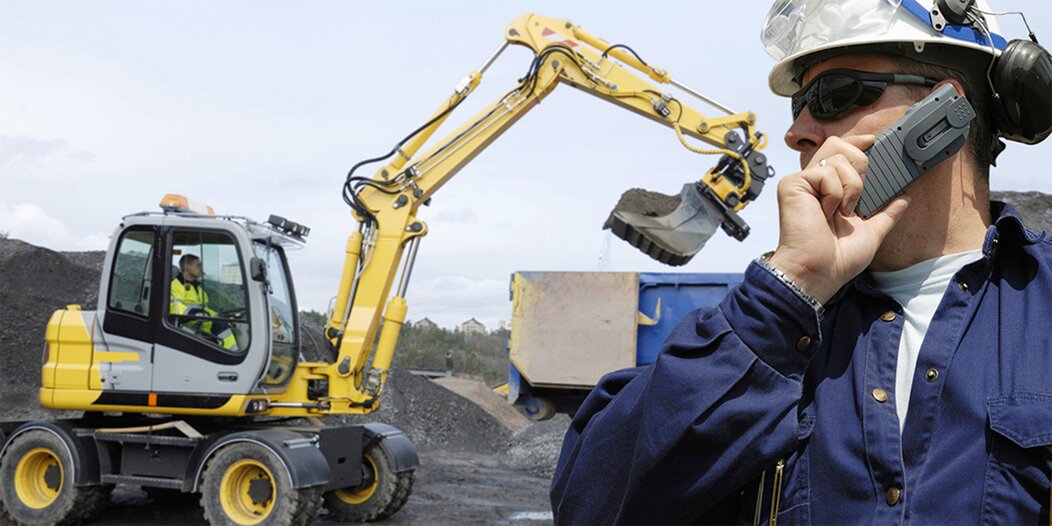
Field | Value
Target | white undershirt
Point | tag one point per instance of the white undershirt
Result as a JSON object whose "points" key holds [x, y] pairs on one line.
{"points": [[919, 290]]}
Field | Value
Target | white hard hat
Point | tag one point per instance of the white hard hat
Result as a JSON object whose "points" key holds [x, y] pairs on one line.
{"points": [[797, 32]]}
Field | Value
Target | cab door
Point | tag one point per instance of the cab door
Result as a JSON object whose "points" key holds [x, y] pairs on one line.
{"points": [[124, 342], [206, 343]]}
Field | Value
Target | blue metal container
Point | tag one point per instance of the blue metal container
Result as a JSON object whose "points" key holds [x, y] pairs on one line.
{"points": [[663, 301], [677, 294]]}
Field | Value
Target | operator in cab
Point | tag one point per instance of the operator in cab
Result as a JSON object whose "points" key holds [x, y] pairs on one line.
{"points": [[888, 370], [188, 298]]}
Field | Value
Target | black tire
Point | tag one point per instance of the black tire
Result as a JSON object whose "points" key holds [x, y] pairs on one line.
{"points": [[382, 493], [36, 483], [258, 489]]}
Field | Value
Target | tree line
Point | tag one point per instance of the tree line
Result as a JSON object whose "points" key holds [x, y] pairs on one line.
{"points": [[483, 356]]}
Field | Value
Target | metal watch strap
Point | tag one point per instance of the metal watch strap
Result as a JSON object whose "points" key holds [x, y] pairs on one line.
{"points": [[765, 263]]}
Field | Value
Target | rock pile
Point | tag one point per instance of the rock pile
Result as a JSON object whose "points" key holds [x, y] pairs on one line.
{"points": [[1034, 207], [34, 282], [434, 417]]}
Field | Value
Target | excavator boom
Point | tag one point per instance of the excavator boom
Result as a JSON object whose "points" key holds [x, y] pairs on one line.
{"points": [[386, 203]]}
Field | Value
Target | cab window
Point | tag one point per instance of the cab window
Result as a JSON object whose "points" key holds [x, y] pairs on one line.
{"points": [[132, 267], [208, 299], [284, 348]]}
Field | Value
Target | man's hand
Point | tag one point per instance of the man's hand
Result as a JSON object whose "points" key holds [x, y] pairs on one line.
{"points": [[823, 244]]}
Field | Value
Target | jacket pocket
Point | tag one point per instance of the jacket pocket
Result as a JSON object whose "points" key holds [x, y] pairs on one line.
{"points": [[1023, 417], [1016, 489]]}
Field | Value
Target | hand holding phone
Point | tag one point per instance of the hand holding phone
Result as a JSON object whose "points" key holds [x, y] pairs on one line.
{"points": [[931, 131]]}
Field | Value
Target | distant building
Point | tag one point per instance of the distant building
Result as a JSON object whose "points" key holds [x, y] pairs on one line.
{"points": [[425, 324], [472, 326]]}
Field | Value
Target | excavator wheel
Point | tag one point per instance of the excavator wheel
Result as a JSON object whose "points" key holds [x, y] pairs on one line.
{"points": [[382, 492], [246, 484], [36, 483]]}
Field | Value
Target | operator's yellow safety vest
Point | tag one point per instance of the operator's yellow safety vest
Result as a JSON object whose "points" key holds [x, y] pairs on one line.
{"points": [[187, 296]]}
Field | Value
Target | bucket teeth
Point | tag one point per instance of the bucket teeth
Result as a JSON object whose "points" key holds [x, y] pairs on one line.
{"points": [[673, 238], [623, 229]]}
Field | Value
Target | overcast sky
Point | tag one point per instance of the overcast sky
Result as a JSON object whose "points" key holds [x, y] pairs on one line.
{"points": [[261, 107]]}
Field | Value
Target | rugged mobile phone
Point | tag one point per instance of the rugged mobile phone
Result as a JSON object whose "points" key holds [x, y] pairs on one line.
{"points": [[931, 131]]}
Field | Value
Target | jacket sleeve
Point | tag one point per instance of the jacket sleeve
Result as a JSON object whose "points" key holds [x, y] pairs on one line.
{"points": [[664, 443]]}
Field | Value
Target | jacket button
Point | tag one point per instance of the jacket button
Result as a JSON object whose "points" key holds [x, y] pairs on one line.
{"points": [[803, 343], [880, 395], [888, 316], [931, 375], [964, 286], [893, 495]]}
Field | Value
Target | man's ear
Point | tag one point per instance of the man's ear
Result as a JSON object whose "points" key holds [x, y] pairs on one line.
{"points": [[956, 85]]}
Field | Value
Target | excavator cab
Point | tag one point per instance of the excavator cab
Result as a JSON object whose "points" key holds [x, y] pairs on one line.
{"points": [[196, 319], [195, 310]]}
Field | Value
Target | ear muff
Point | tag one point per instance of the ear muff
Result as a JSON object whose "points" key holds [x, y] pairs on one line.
{"points": [[1022, 79]]}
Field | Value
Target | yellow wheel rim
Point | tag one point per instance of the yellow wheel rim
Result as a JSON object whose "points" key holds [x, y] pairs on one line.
{"points": [[38, 478], [359, 496], [247, 492]]}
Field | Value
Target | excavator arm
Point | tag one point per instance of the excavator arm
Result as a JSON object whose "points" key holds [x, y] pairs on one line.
{"points": [[366, 317]]}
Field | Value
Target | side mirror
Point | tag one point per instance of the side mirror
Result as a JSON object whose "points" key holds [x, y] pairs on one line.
{"points": [[258, 269]]}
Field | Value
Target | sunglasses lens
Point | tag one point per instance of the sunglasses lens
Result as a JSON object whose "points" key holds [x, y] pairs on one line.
{"points": [[835, 94], [837, 91], [799, 101]]}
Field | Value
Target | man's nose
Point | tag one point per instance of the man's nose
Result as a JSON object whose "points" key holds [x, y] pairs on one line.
{"points": [[806, 134]]}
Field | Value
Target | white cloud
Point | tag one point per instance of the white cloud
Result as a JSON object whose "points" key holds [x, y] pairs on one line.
{"points": [[457, 215], [33, 224], [16, 150]]}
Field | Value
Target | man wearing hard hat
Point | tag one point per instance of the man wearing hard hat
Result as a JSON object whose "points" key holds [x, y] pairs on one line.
{"points": [[887, 363]]}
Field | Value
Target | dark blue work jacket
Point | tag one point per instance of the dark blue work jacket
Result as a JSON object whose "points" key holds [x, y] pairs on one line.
{"points": [[763, 378]]}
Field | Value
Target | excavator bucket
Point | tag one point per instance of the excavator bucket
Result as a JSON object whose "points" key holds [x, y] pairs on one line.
{"points": [[670, 229]]}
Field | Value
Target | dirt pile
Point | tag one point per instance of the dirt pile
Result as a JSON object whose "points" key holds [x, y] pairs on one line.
{"points": [[34, 282], [434, 417], [1034, 207], [536, 448], [313, 345], [479, 394]]}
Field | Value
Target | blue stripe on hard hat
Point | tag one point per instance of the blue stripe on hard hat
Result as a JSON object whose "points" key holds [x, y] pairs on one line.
{"points": [[962, 33], [969, 34]]}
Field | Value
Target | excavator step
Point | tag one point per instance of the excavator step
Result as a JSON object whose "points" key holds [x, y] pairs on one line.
{"points": [[134, 438], [156, 482]]}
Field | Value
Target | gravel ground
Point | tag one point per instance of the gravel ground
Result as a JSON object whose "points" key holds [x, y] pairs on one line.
{"points": [[451, 489]]}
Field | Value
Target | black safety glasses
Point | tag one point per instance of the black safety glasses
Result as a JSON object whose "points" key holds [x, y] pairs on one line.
{"points": [[838, 90]]}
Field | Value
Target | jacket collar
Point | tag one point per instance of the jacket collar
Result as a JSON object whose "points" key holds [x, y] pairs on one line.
{"points": [[183, 280], [1008, 228]]}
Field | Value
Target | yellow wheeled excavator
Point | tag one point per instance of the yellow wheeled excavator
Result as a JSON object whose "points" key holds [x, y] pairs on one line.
{"points": [[189, 372]]}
